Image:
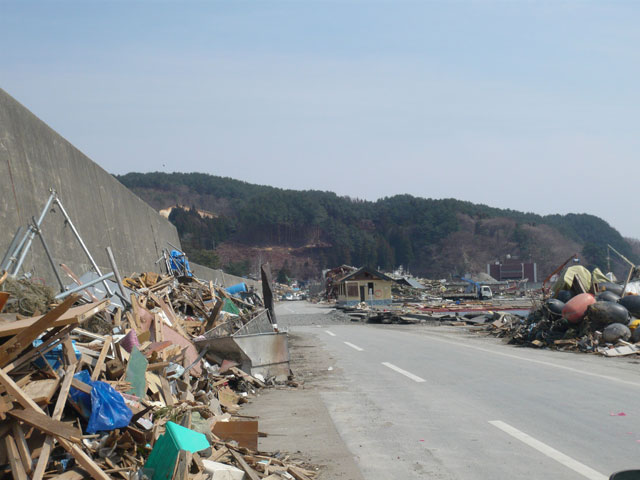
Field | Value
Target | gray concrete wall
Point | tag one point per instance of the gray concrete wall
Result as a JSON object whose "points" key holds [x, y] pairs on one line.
{"points": [[33, 159], [220, 278]]}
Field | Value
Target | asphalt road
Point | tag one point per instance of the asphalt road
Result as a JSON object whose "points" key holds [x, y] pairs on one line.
{"points": [[436, 402]]}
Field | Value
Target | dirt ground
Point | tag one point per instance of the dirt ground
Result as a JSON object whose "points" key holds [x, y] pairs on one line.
{"points": [[297, 420]]}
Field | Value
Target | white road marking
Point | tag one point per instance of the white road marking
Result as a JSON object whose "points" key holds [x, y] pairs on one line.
{"points": [[532, 360], [289, 310], [330, 333], [355, 347], [550, 452], [413, 377]]}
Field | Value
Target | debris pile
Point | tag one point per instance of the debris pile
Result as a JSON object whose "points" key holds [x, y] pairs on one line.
{"points": [[587, 313], [133, 386]]}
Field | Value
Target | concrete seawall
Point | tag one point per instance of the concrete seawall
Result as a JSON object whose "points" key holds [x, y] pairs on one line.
{"points": [[221, 278], [33, 159]]}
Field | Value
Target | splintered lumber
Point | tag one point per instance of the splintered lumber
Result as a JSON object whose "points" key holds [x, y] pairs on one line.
{"points": [[166, 391], [211, 321], [73, 315], [17, 469], [10, 349], [181, 471], [43, 458], [251, 473], [46, 424], [82, 458], [103, 354], [23, 448], [249, 378], [41, 391], [297, 473], [5, 406], [79, 385], [48, 343]]}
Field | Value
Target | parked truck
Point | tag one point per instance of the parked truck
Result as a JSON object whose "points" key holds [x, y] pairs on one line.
{"points": [[474, 290]]}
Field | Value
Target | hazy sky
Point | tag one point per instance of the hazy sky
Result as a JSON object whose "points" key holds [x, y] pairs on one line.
{"points": [[532, 106]]}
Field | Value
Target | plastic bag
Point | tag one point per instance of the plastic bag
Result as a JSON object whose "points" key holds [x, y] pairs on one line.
{"points": [[105, 407]]}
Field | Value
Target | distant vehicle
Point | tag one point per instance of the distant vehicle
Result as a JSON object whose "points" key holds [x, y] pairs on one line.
{"points": [[474, 290], [288, 296]]}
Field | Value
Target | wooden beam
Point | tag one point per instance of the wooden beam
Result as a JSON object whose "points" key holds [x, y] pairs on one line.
{"points": [[166, 391], [10, 349], [23, 448], [103, 354], [82, 458], [251, 473], [181, 471], [47, 345], [45, 452], [17, 469], [46, 424], [73, 315], [211, 321], [80, 385], [68, 351]]}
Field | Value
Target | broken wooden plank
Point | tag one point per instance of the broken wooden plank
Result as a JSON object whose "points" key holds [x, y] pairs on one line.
{"points": [[42, 391], [103, 354], [249, 378], [46, 424], [80, 385], [48, 343], [45, 452], [211, 321], [73, 315], [82, 458], [251, 473], [17, 469], [297, 473], [183, 463], [12, 348], [23, 448], [166, 391]]}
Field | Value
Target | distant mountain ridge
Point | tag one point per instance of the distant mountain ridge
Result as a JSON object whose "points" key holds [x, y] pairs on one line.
{"points": [[310, 230]]}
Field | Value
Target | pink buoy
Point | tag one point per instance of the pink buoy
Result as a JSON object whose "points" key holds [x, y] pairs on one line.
{"points": [[576, 308]]}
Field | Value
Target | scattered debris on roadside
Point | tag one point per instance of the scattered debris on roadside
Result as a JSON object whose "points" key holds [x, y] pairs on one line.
{"points": [[133, 384], [586, 312]]}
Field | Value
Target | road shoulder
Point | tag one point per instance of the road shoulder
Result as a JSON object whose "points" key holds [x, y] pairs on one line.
{"points": [[297, 419]]}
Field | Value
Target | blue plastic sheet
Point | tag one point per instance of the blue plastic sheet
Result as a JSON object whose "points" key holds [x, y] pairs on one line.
{"points": [[105, 408], [54, 356], [179, 263], [237, 288]]}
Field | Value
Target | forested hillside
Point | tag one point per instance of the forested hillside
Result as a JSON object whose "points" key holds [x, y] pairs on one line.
{"points": [[311, 230]]}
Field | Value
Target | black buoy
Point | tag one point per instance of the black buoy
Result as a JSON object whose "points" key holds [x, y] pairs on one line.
{"points": [[631, 303], [602, 314], [608, 296], [564, 296]]}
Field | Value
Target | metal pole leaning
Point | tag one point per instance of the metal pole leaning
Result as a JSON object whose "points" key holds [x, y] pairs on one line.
{"points": [[50, 257], [114, 267], [16, 243], [84, 247], [32, 232], [102, 278]]}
